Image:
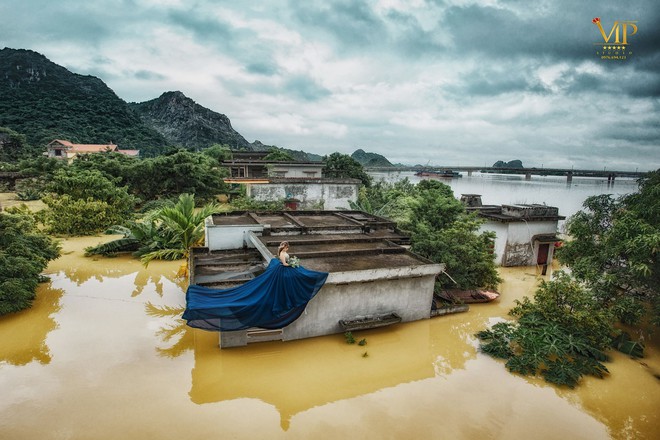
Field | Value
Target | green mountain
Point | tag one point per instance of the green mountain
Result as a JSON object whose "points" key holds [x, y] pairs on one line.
{"points": [[511, 164], [370, 159], [181, 121], [44, 101]]}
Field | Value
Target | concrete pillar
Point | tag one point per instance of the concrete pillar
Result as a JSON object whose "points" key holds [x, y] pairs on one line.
{"points": [[528, 176], [569, 177], [469, 173]]}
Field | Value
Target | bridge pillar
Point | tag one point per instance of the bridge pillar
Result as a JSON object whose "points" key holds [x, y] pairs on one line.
{"points": [[528, 176], [569, 177], [469, 173]]}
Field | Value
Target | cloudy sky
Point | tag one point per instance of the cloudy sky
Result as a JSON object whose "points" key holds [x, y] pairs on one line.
{"points": [[445, 82]]}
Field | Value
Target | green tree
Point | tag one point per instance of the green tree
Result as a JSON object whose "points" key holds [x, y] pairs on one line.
{"points": [[614, 249], [83, 202], [440, 229], [167, 233], [561, 335], [182, 172], [342, 166], [278, 154], [218, 152], [24, 254], [13, 146]]}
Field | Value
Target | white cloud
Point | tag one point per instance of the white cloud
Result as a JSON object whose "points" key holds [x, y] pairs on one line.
{"points": [[399, 80]]}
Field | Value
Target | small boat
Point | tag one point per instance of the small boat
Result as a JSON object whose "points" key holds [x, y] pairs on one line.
{"points": [[439, 173], [369, 321], [456, 296]]}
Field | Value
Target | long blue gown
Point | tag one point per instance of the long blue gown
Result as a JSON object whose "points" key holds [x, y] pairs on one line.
{"points": [[271, 300]]}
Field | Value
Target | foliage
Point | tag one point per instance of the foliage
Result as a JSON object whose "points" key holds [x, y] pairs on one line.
{"points": [[350, 339], [615, 247], [41, 166], [559, 335], [83, 202], [181, 226], [244, 203], [13, 146], [166, 233], [343, 166], [439, 228], [24, 254], [218, 152], [278, 154], [566, 302], [30, 189], [181, 172], [466, 253], [442, 231]]}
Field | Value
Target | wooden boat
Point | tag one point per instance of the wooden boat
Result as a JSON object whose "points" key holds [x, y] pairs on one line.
{"points": [[456, 296], [369, 321], [438, 173]]}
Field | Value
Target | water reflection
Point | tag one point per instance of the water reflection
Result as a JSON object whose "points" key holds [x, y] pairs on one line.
{"points": [[298, 375], [96, 361], [173, 329], [24, 340]]}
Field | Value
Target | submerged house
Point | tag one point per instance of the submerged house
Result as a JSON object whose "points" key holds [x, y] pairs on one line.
{"points": [[372, 278], [300, 184], [526, 233]]}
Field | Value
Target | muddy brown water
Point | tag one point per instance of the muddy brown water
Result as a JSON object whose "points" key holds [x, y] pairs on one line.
{"points": [[104, 355]]}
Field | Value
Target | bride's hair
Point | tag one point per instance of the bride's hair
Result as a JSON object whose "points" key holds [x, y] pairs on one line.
{"points": [[281, 247]]}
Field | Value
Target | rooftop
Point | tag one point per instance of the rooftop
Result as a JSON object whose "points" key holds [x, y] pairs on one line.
{"points": [[328, 241]]}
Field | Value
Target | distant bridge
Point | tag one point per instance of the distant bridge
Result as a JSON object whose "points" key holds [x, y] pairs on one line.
{"points": [[610, 175]]}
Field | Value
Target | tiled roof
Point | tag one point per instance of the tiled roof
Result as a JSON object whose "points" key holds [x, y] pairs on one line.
{"points": [[84, 148]]}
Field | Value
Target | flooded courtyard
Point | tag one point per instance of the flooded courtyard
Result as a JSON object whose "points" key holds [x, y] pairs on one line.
{"points": [[103, 354]]}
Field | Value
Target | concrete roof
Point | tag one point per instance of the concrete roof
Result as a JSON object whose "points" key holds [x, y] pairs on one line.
{"points": [[328, 241]]}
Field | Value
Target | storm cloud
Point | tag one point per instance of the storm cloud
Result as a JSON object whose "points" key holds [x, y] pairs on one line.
{"points": [[447, 82]]}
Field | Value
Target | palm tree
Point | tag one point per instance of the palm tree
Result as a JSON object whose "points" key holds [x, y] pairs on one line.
{"points": [[180, 227], [166, 233]]}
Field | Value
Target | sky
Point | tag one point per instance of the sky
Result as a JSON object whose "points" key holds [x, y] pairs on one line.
{"points": [[431, 82]]}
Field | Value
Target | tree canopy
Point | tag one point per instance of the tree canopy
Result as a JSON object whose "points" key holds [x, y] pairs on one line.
{"points": [[440, 229], [24, 254], [614, 249], [343, 166]]}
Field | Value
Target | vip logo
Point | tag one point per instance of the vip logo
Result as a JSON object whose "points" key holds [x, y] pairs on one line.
{"points": [[620, 30]]}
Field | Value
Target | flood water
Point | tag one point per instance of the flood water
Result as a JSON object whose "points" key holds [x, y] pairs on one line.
{"points": [[104, 355], [498, 189]]}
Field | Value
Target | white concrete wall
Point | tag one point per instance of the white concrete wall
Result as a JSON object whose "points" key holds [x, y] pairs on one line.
{"points": [[410, 298], [501, 229], [513, 245], [333, 195], [219, 237], [289, 171]]}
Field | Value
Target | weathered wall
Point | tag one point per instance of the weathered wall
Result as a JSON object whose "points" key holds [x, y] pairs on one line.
{"points": [[513, 245], [500, 240], [406, 291], [288, 171], [410, 298], [521, 251], [228, 236], [333, 195]]}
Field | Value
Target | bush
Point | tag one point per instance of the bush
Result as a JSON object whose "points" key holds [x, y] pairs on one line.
{"points": [[24, 254]]}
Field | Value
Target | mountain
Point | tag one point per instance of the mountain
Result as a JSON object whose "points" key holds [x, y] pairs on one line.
{"points": [[45, 101], [181, 121], [511, 164], [370, 159]]}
